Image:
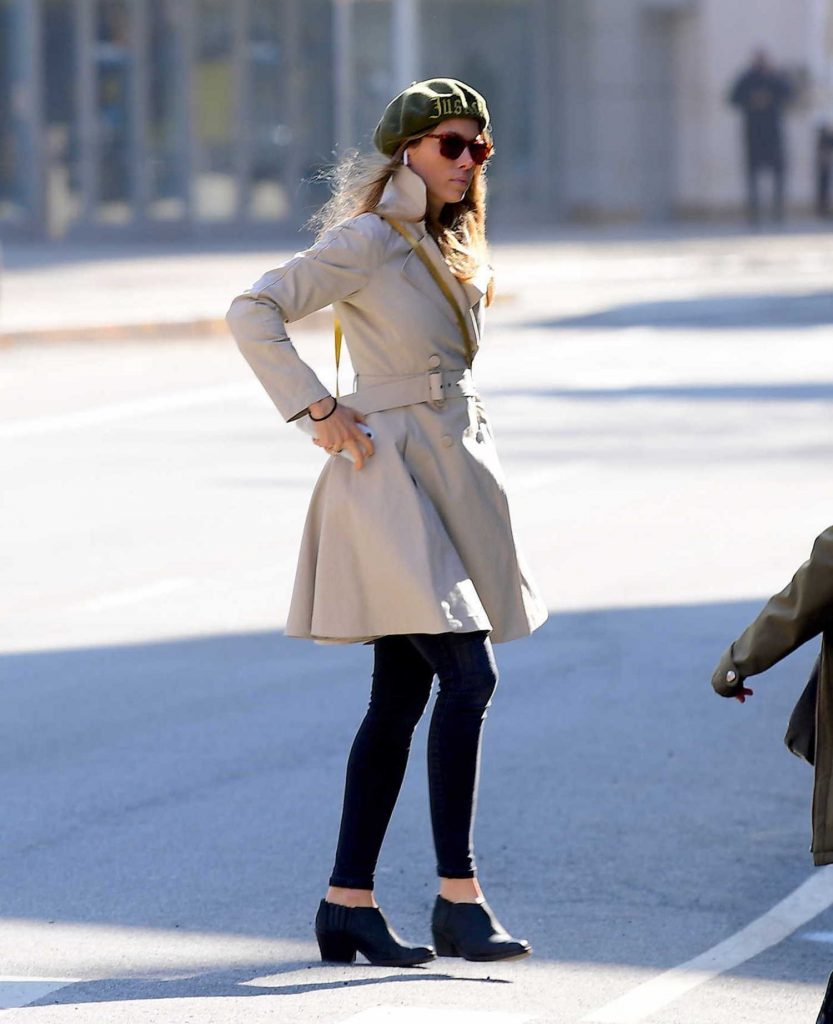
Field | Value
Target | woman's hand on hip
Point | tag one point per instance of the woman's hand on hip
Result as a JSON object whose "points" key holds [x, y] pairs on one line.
{"points": [[339, 431]]}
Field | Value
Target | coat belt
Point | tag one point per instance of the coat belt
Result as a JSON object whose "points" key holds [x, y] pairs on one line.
{"points": [[376, 394]]}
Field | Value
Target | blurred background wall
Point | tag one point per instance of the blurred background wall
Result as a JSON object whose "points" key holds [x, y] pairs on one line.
{"points": [[183, 118]]}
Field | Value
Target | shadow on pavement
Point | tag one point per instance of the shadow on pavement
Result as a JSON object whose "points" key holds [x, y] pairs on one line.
{"points": [[713, 311], [627, 815], [667, 425], [794, 392], [233, 984]]}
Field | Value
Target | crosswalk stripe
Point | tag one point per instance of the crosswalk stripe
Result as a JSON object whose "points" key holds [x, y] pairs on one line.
{"points": [[801, 906], [20, 991]]}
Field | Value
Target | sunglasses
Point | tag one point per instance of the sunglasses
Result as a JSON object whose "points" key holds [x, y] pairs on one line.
{"points": [[452, 146]]}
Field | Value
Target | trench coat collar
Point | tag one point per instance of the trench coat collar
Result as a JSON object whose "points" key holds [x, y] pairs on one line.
{"points": [[405, 198]]}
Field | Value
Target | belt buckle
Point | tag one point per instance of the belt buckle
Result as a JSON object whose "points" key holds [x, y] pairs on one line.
{"points": [[436, 398]]}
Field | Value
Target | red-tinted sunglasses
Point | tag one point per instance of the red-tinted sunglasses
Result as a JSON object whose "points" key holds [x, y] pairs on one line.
{"points": [[452, 146]]}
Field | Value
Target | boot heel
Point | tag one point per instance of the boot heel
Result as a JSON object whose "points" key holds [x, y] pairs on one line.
{"points": [[339, 949], [444, 946], [344, 931]]}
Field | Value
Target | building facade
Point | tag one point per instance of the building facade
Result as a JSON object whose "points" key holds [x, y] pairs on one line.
{"points": [[152, 118]]}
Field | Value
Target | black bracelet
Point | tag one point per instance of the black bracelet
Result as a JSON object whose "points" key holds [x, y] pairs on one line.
{"points": [[318, 419]]}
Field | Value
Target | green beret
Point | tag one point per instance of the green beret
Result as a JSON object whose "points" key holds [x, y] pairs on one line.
{"points": [[423, 105]]}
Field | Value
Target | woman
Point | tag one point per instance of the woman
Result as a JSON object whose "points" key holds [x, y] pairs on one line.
{"points": [[410, 547]]}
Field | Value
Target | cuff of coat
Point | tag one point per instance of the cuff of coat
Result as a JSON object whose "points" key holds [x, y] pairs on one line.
{"points": [[727, 680], [320, 394]]}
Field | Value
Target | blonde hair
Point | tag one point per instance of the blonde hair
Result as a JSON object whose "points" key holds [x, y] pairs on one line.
{"points": [[357, 184]]}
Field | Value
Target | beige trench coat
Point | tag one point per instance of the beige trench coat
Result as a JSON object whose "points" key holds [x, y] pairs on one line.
{"points": [[420, 540]]}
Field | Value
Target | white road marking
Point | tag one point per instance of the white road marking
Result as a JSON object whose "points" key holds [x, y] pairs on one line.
{"points": [[124, 410], [801, 906], [20, 991], [826, 937], [133, 595], [434, 1015]]}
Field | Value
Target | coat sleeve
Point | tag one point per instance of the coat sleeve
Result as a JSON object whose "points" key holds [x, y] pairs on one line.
{"points": [[336, 267], [802, 610]]}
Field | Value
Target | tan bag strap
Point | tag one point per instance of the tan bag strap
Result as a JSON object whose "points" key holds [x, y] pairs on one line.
{"points": [[339, 337], [441, 282], [443, 286]]}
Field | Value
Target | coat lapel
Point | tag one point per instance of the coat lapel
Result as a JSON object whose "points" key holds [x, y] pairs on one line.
{"points": [[477, 287]]}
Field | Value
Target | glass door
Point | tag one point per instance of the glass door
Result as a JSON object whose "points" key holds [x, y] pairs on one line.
{"points": [[17, 104], [165, 109], [271, 107], [114, 112], [61, 150], [287, 127], [215, 91], [114, 107], [364, 48]]}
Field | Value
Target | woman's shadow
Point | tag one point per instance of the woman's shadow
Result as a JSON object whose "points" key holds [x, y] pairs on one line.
{"points": [[239, 983]]}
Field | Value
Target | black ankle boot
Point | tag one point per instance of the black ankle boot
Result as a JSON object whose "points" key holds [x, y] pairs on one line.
{"points": [[826, 1012], [472, 931], [341, 931]]}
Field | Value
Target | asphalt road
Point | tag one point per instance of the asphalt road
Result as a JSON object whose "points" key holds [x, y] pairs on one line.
{"points": [[170, 765]]}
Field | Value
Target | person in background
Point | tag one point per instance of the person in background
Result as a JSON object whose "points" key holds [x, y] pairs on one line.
{"points": [[824, 166], [761, 93], [796, 615]]}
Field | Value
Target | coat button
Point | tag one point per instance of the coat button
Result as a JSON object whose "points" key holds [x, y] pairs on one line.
{"points": [[447, 440], [434, 361]]}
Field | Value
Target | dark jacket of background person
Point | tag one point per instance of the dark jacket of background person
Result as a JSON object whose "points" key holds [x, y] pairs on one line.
{"points": [[824, 168], [801, 611], [761, 93]]}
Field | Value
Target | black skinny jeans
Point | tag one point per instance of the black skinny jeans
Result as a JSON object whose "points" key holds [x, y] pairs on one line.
{"points": [[403, 671]]}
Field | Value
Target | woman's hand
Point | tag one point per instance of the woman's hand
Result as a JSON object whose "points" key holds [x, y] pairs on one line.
{"points": [[727, 680], [339, 431]]}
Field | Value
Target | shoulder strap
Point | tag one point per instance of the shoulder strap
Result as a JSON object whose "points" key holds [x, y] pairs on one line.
{"points": [[338, 339], [443, 285]]}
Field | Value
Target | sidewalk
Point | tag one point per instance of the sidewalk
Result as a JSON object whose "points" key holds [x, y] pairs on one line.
{"points": [[68, 292], [54, 293]]}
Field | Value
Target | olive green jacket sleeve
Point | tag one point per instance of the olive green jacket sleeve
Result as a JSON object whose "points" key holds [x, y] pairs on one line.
{"points": [[802, 610]]}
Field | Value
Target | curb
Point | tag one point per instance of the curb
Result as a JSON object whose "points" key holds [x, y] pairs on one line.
{"points": [[153, 330], [116, 332]]}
